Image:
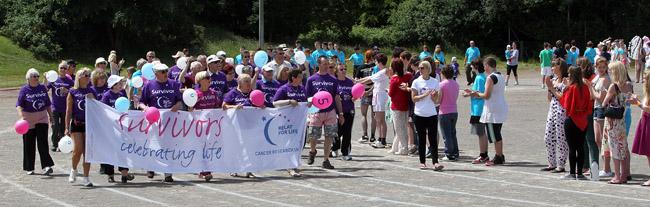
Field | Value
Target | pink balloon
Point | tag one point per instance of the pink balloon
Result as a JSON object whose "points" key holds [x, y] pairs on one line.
{"points": [[358, 90], [257, 98], [322, 100], [21, 126], [152, 114]]}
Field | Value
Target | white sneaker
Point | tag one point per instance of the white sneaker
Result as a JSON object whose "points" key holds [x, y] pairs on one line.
{"points": [[87, 182], [30, 172], [378, 144], [391, 152], [604, 174], [73, 176], [47, 171], [346, 158], [335, 153]]}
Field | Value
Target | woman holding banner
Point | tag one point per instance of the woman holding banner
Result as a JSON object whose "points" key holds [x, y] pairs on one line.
{"points": [[116, 85], [207, 98], [290, 94], [161, 93], [76, 116]]}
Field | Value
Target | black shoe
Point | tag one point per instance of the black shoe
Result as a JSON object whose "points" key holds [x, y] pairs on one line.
{"points": [[499, 159], [127, 178], [327, 165], [48, 171], [102, 170], [169, 179], [312, 156], [54, 148], [111, 179], [372, 139], [547, 169], [629, 177], [150, 174]]}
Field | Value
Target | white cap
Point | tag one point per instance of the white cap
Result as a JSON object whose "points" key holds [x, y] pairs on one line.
{"points": [[212, 58], [114, 79], [100, 60], [453, 59], [221, 53], [159, 67], [267, 68], [508, 46], [178, 54]]}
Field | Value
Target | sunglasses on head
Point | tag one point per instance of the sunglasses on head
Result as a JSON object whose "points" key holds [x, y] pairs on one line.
{"points": [[85, 75]]}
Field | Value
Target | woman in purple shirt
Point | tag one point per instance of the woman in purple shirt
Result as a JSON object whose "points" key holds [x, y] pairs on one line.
{"points": [[342, 141], [33, 106], [207, 98], [237, 99], [59, 90], [161, 93], [116, 85], [290, 94], [98, 81], [76, 115]]}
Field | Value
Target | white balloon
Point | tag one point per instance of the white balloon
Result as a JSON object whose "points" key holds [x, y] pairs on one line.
{"points": [[300, 57], [137, 82], [181, 63], [239, 69], [190, 97], [51, 76], [66, 144]]}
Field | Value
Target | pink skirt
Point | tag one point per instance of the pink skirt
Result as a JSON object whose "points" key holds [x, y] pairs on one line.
{"points": [[641, 145]]}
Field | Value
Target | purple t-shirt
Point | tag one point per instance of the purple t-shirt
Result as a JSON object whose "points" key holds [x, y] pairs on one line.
{"points": [[318, 82], [109, 97], [100, 91], [290, 92], [449, 89], [269, 88], [59, 97], [218, 83], [236, 97], [189, 80], [161, 95], [345, 91], [282, 82], [232, 84], [79, 102], [207, 99], [33, 99], [174, 72]]}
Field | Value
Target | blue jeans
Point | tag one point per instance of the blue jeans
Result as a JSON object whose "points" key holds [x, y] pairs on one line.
{"points": [[448, 127]]}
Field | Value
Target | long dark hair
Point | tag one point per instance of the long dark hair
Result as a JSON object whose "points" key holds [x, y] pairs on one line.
{"points": [[586, 67], [398, 67], [564, 68], [575, 76]]}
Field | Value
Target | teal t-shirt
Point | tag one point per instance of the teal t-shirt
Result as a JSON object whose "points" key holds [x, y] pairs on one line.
{"points": [[472, 53], [476, 104], [357, 59]]}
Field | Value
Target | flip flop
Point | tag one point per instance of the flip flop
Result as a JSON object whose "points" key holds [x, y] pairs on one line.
{"points": [[615, 182]]}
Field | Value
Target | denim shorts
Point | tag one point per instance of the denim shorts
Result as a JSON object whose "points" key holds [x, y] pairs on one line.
{"points": [[599, 113]]}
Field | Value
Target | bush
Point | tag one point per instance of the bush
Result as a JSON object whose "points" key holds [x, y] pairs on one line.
{"points": [[371, 36]]}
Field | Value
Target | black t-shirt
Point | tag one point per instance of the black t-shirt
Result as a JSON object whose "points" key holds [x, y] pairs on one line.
{"points": [[560, 53]]}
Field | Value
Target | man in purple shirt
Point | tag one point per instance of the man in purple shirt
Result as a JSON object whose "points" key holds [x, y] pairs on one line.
{"points": [[217, 77], [175, 71], [268, 85], [161, 93], [326, 119]]}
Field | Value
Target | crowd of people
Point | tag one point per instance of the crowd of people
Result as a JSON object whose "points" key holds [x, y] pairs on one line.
{"points": [[417, 91]]}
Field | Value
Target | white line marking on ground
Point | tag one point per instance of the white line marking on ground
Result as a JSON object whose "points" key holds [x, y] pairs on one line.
{"points": [[27, 190], [234, 194], [521, 184], [368, 198], [59, 169], [441, 190]]}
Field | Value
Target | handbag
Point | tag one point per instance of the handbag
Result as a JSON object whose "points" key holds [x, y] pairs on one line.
{"points": [[615, 112]]}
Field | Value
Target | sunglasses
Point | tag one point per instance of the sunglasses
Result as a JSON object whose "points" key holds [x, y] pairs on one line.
{"points": [[85, 75], [63, 68], [331, 67], [35, 76], [247, 56]]}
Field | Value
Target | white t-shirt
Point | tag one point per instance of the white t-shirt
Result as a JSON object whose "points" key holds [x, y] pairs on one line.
{"points": [[380, 81], [425, 107], [515, 58]]}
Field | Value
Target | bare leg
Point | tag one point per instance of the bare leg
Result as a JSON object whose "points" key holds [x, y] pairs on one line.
{"points": [[364, 120], [327, 147], [78, 149], [498, 147], [411, 132], [86, 165], [483, 143], [617, 170], [381, 124]]}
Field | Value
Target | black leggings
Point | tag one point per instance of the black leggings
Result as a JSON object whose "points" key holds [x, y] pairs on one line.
{"points": [[513, 69], [58, 128], [576, 139], [110, 169], [342, 142], [427, 126], [470, 75], [36, 138]]}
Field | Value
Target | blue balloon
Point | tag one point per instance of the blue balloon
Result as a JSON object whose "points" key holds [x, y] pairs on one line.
{"points": [[122, 104], [312, 110], [147, 71], [261, 58]]}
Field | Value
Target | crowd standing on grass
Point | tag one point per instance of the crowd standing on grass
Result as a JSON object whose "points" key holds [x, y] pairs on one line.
{"points": [[590, 96]]}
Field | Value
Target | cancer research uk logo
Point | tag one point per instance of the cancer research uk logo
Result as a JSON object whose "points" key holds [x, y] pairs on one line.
{"points": [[278, 126]]}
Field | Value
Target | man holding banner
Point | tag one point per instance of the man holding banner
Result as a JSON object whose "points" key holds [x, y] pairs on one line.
{"points": [[162, 94], [324, 122]]}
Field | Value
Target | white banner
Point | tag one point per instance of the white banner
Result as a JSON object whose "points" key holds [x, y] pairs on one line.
{"points": [[245, 140]]}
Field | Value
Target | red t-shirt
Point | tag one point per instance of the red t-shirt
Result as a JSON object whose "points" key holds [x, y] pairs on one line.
{"points": [[398, 97]]}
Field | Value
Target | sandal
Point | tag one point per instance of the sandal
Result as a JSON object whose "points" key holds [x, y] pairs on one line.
{"points": [[423, 166], [438, 167], [547, 169], [614, 181], [295, 173]]}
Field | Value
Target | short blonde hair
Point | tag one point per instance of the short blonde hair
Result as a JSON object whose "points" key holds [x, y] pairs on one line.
{"points": [[31, 72], [426, 65], [619, 73], [96, 75], [112, 58], [200, 76], [78, 75], [243, 78], [63, 64], [140, 63]]}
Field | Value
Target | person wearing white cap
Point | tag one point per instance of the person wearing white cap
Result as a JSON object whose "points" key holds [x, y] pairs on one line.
{"points": [[100, 65], [221, 54], [217, 78], [268, 85], [116, 85], [175, 71], [162, 94]]}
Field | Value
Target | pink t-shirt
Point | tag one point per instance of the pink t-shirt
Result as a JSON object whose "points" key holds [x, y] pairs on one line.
{"points": [[449, 89]]}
